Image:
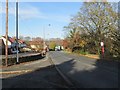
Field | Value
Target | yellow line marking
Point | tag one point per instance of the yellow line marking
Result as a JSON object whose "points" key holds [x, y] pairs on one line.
{"points": [[13, 72]]}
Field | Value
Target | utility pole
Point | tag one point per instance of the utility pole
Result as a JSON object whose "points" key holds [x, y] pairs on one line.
{"points": [[6, 47], [17, 44]]}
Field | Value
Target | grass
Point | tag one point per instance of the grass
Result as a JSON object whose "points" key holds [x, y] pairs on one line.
{"points": [[95, 56], [81, 53]]}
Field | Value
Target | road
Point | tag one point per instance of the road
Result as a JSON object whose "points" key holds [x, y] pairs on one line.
{"points": [[86, 72], [81, 71]]}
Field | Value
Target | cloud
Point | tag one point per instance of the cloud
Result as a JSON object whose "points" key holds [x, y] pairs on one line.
{"points": [[30, 12], [27, 12]]}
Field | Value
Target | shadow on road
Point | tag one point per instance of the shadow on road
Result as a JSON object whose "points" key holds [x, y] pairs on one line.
{"points": [[101, 74], [46, 77]]}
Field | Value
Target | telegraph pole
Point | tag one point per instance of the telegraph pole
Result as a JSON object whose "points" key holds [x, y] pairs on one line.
{"points": [[6, 47], [17, 44]]}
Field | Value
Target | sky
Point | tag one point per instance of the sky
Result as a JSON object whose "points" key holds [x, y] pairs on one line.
{"points": [[59, 0], [40, 19]]}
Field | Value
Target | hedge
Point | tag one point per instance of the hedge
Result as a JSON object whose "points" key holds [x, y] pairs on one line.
{"points": [[12, 60]]}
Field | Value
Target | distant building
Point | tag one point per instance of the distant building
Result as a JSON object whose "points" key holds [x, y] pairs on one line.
{"points": [[58, 41], [36, 45], [11, 44], [22, 44], [37, 39]]}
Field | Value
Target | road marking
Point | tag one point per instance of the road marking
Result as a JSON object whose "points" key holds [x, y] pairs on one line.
{"points": [[13, 72], [59, 71]]}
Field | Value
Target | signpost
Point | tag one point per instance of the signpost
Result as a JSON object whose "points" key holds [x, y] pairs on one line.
{"points": [[102, 49], [17, 44]]}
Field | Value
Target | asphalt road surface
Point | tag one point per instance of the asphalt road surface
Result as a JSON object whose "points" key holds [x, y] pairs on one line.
{"points": [[86, 72], [83, 72]]}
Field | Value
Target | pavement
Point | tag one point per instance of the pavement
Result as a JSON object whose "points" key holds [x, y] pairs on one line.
{"points": [[86, 72], [34, 74], [23, 67]]}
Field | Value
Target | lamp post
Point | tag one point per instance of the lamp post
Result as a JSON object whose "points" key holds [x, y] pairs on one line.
{"points": [[44, 31], [44, 43], [17, 44]]}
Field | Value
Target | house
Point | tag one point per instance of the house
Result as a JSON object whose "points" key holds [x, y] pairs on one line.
{"points": [[2, 47], [36, 45], [22, 43], [11, 44]]}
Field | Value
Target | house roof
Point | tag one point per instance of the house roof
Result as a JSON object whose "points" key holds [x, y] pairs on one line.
{"points": [[12, 40], [21, 41]]}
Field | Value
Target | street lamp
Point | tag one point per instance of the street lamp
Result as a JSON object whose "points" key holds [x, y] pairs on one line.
{"points": [[44, 31], [44, 44]]}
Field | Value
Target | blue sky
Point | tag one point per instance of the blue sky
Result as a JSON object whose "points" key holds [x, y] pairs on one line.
{"points": [[35, 17]]}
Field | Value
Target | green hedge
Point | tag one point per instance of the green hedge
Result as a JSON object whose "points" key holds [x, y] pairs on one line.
{"points": [[80, 52]]}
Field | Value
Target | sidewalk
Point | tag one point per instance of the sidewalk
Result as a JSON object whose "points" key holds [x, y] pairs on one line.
{"points": [[35, 74], [23, 67]]}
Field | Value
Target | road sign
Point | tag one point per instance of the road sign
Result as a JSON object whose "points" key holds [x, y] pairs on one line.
{"points": [[102, 44]]}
